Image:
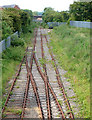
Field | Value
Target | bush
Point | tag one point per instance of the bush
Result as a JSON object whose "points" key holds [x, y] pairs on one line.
{"points": [[18, 42], [15, 41], [88, 20], [15, 20], [13, 53], [6, 30]]}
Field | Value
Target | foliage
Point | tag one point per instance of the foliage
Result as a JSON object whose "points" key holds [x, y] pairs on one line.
{"points": [[12, 56], [6, 30], [44, 25], [25, 21], [16, 20], [18, 42], [7, 18], [0, 30], [35, 13], [81, 11], [65, 15], [14, 17], [50, 15], [30, 13], [72, 48]]}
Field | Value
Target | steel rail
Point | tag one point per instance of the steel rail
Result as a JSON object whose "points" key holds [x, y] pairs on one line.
{"points": [[37, 95], [12, 86], [60, 81], [33, 81], [46, 85], [26, 90], [28, 76], [54, 96], [33, 51]]}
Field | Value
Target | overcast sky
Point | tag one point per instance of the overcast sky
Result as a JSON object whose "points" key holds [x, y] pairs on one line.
{"points": [[39, 5]]}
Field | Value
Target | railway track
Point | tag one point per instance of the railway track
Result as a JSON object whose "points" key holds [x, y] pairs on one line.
{"points": [[14, 101], [37, 87], [70, 112]]}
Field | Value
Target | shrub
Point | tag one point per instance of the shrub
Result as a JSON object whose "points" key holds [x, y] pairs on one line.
{"points": [[6, 30], [13, 53], [15, 41], [18, 42], [15, 20], [88, 20]]}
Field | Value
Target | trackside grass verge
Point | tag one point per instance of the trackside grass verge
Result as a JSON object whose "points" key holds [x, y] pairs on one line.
{"points": [[72, 48]]}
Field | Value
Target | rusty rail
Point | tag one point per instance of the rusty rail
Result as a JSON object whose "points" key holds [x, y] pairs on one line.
{"points": [[46, 85], [12, 86], [54, 96], [60, 82], [33, 81], [26, 90], [37, 95], [30, 78]]}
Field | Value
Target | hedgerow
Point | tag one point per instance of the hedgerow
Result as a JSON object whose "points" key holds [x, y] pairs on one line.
{"points": [[15, 20]]}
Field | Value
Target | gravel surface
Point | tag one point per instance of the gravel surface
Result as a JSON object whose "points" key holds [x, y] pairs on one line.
{"points": [[32, 110]]}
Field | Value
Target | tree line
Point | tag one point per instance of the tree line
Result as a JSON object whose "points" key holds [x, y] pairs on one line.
{"points": [[78, 11], [15, 20]]}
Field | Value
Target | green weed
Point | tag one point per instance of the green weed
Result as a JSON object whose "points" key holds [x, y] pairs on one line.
{"points": [[60, 102], [11, 93], [17, 86], [13, 110], [19, 112], [12, 100], [71, 46], [43, 61]]}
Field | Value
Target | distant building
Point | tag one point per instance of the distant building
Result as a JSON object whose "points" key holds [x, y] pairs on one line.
{"points": [[11, 6], [37, 18], [1, 8]]}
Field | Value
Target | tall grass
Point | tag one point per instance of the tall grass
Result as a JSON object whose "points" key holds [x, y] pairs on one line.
{"points": [[72, 48]]}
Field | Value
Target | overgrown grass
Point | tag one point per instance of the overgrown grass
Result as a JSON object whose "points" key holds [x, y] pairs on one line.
{"points": [[72, 48], [10, 60]]}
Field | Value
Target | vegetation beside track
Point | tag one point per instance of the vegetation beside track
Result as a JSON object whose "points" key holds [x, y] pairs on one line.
{"points": [[12, 57], [15, 20], [72, 48]]}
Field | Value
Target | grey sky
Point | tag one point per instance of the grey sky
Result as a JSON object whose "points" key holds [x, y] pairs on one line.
{"points": [[39, 5]]}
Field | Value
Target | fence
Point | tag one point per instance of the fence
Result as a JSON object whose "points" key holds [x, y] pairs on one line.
{"points": [[38, 21], [6, 43], [52, 24], [82, 24]]}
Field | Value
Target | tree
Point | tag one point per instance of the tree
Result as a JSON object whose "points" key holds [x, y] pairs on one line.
{"points": [[12, 17], [81, 11], [35, 13], [65, 15], [15, 20], [50, 15]]}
